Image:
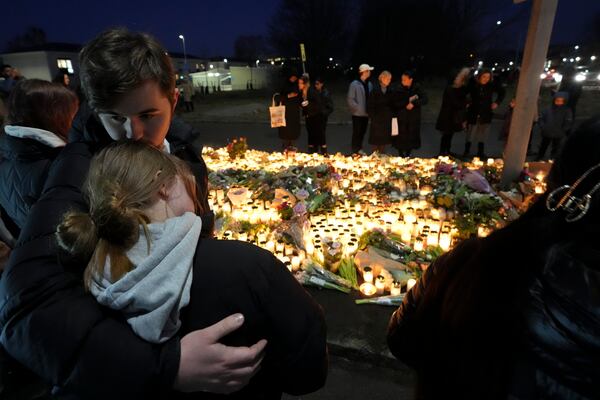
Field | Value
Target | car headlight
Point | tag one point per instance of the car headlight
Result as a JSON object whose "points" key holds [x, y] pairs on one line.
{"points": [[580, 77]]}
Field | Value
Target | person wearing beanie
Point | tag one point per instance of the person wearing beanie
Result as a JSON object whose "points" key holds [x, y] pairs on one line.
{"points": [[555, 123]]}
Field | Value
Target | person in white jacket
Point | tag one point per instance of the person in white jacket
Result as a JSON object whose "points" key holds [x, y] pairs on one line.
{"points": [[358, 94]]}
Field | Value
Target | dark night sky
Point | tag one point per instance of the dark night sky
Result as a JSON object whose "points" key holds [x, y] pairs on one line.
{"points": [[211, 27]]}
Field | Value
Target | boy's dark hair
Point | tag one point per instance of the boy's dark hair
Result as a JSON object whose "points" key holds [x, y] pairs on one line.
{"points": [[118, 61], [30, 101]]}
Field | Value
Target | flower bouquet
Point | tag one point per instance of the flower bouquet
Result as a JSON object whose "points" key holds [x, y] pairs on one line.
{"points": [[237, 148], [314, 275]]}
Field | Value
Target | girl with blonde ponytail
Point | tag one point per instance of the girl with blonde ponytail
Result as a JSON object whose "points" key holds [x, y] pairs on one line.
{"points": [[148, 260]]}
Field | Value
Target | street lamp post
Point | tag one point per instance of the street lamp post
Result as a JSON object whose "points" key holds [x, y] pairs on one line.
{"points": [[184, 53]]}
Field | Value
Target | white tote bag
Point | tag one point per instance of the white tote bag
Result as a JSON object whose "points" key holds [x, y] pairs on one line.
{"points": [[277, 114], [394, 126]]}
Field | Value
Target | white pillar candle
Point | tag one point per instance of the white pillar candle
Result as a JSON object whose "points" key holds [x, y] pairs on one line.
{"points": [[279, 247], [227, 208], [396, 289], [432, 239], [310, 248], [418, 244], [380, 284], [368, 274], [445, 241], [295, 263]]}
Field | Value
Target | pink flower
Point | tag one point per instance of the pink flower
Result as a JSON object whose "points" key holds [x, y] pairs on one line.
{"points": [[301, 194], [299, 209]]}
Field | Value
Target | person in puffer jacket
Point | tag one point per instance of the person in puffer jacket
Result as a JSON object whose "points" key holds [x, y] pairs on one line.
{"points": [[40, 114], [516, 315]]}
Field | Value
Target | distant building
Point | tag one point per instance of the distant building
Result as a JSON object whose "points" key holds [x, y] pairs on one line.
{"points": [[194, 63], [45, 61], [229, 76]]}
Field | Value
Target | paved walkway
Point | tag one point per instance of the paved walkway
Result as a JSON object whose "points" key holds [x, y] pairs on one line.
{"points": [[262, 137]]}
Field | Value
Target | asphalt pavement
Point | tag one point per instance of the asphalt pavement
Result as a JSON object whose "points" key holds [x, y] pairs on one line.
{"points": [[262, 137]]}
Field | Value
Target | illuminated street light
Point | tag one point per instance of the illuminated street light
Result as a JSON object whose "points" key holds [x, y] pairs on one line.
{"points": [[184, 53], [511, 63], [225, 60], [330, 58], [257, 61], [577, 58], [498, 22], [565, 59], [577, 47], [593, 58]]}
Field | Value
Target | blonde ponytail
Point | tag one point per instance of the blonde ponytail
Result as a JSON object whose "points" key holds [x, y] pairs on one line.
{"points": [[124, 180]]}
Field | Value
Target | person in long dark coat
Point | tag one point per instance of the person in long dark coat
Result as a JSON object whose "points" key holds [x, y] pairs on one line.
{"points": [[483, 323], [312, 113], [452, 117], [379, 107], [326, 110], [481, 109], [409, 99], [291, 99]]}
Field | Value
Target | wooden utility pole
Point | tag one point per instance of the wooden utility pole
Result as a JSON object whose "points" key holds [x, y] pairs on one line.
{"points": [[528, 88]]}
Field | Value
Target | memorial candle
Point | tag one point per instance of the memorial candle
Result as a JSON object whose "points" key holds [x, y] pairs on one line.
{"points": [[380, 284], [396, 288]]}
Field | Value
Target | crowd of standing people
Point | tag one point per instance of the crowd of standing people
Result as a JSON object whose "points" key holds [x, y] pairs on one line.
{"points": [[394, 112], [388, 113]]}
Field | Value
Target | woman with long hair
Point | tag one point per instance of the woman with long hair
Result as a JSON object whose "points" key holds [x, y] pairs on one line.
{"points": [[452, 117], [312, 112], [480, 110], [148, 260], [516, 315], [40, 114]]}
